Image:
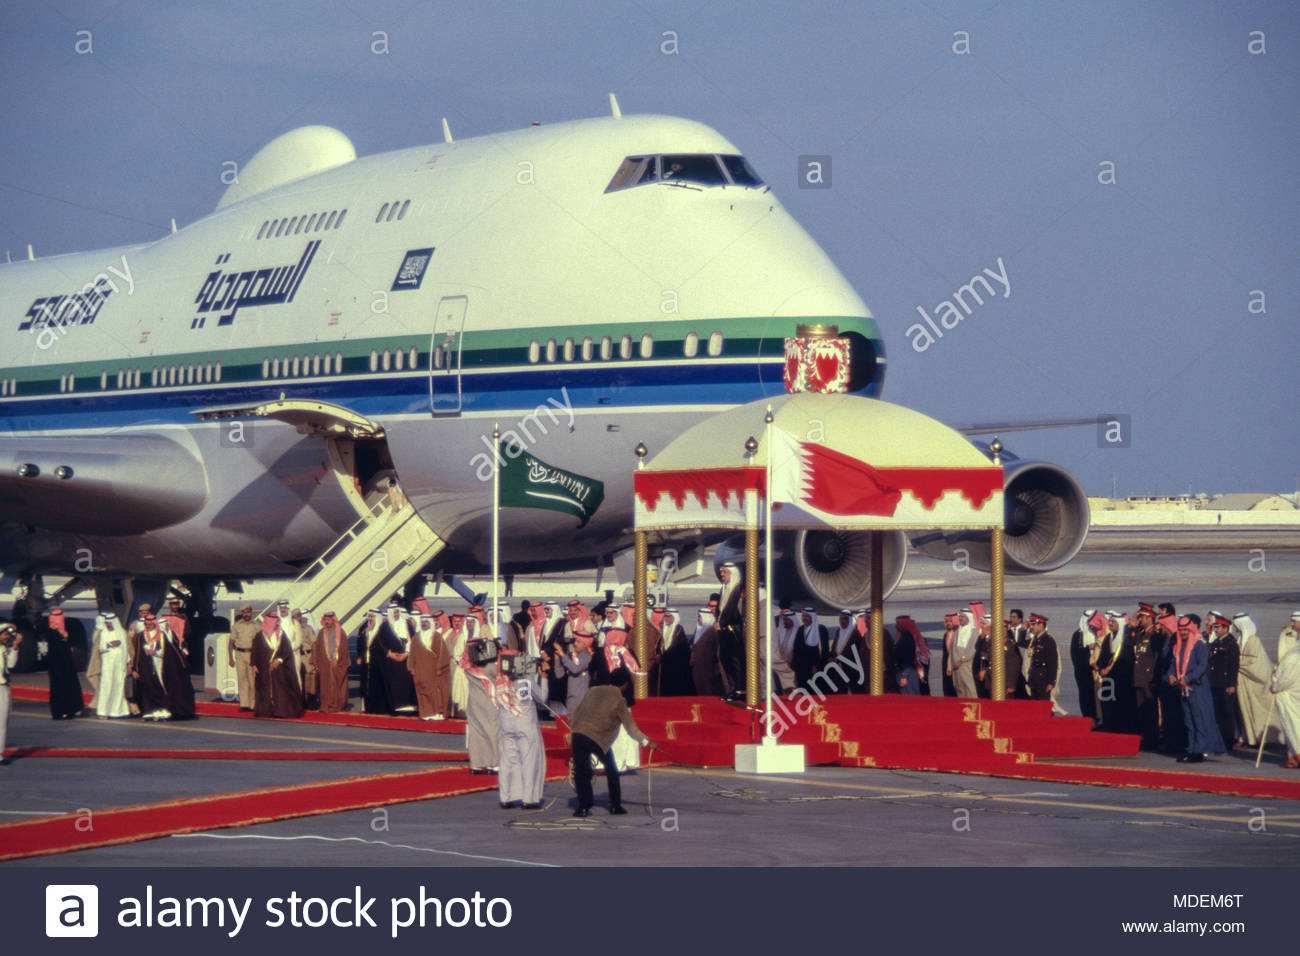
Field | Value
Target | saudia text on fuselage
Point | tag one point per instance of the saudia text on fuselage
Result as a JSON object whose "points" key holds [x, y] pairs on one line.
{"points": [[78, 308], [226, 292]]}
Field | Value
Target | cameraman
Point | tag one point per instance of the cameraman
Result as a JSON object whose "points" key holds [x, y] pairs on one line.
{"points": [[595, 725], [482, 724], [10, 639], [523, 754]]}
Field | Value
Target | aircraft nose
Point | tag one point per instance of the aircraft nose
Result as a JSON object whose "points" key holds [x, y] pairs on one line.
{"points": [[772, 267]]}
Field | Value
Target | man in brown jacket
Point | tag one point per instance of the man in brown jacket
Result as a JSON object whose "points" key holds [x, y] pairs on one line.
{"points": [[594, 727]]}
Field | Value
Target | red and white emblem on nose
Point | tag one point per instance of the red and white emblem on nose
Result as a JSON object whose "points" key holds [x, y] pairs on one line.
{"points": [[816, 364]]}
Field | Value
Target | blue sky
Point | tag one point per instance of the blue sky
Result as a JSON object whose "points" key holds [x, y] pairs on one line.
{"points": [[959, 134]]}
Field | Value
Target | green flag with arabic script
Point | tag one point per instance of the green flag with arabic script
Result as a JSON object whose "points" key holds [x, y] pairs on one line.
{"points": [[529, 482]]}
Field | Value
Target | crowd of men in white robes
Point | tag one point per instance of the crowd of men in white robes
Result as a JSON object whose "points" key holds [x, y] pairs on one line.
{"points": [[1187, 685]]}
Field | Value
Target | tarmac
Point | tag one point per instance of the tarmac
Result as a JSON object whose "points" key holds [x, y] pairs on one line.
{"points": [[691, 817]]}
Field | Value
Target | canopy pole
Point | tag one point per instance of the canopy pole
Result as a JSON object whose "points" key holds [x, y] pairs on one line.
{"points": [[997, 630], [877, 651], [640, 680], [496, 532], [767, 577], [751, 598]]}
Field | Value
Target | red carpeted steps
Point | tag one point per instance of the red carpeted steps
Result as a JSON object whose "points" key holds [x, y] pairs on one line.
{"points": [[889, 731]]}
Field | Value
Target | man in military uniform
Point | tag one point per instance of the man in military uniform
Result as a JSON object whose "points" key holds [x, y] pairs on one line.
{"points": [[243, 632], [1044, 660], [1147, 644]]}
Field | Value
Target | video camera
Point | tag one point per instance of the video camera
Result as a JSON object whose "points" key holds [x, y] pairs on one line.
{"points": [[483, 651], [518, 666]]}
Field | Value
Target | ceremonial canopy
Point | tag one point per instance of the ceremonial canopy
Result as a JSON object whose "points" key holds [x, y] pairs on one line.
{"points": [[836, 461]]}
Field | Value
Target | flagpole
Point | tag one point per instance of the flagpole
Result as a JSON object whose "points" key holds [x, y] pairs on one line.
{"points": [[496, 526], [767, 572]]}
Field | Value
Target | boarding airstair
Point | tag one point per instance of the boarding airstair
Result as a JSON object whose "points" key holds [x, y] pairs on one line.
{"points": [[387, 547]]}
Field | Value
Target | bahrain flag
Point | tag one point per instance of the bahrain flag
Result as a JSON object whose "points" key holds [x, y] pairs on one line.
{"points": [[821, 479]]}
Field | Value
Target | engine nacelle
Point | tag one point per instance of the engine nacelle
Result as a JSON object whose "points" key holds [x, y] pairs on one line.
{"points": [[1046, 523], [830, 569]]}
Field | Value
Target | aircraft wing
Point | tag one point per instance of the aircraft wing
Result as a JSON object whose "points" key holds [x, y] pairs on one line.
{"points": [[998, 428], [99, 485]]}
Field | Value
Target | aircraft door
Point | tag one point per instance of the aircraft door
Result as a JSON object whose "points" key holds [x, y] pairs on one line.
{"points": [[444, 356]]}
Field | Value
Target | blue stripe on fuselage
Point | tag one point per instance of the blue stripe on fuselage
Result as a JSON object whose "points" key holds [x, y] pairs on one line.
{"points": [[586, 386]]}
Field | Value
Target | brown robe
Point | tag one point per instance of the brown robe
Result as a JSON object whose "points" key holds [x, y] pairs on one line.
{"points": [[704, 665], [150, 687], [333, 672], [430, 668], [278, 693]]}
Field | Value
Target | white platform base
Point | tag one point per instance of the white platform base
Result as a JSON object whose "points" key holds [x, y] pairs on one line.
{"points": [[769, 757]]}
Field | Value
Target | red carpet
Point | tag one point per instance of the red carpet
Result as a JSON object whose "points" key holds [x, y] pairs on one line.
{"points": [[444, 756], [943, 734], [73, 831], [1145, 779]]}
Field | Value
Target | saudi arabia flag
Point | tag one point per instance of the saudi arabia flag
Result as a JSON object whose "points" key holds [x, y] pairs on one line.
{"points": [[529, 482]]}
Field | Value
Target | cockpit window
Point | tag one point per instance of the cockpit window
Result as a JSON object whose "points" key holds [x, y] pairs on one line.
{"points": [[686, 169], [651, 171], [741, 173], [629, 173], [693, 169]]}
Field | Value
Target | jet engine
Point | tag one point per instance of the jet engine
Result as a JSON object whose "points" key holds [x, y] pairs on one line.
{"points": [[1046, 523], [830, 569]]}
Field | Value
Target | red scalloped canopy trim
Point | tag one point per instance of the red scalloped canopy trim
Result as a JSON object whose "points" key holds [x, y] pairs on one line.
{"points": [[927, 485], [723, 482]]}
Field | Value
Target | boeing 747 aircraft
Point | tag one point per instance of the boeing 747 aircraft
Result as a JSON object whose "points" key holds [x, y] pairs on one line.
{"points": [[226, 401]]}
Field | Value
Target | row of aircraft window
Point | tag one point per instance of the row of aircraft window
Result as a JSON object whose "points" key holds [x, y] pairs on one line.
{"points": [[302, 365], [292, 225], [394, 359], [158, 376], [571, 348], [390, 211], [387, 360], [203, 374]]}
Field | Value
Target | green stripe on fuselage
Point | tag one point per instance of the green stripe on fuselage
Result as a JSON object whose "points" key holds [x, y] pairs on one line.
{"points": [[761, 337]]}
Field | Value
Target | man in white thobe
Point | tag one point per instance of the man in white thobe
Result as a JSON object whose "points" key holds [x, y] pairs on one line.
{"points": [[1253, 673], [110, 640], [1286, 690], [9, 641], [962, 659]]}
